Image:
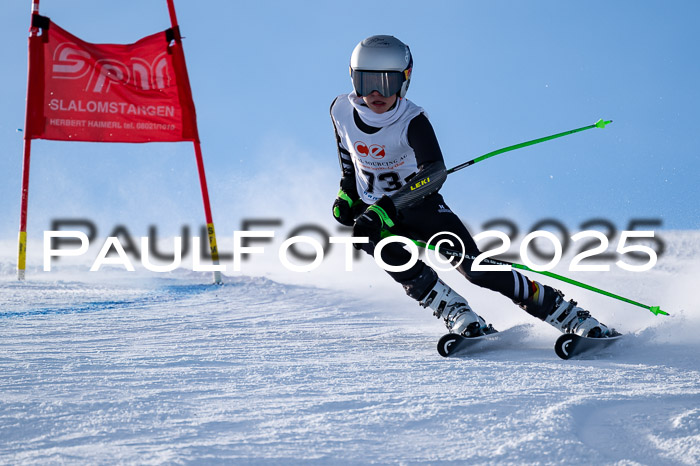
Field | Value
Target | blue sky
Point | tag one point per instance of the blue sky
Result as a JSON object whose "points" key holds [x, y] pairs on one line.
{"points": [[489, 74]]}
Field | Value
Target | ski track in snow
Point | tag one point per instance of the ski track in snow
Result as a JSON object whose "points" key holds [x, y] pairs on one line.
{"points": [[172, 370]]}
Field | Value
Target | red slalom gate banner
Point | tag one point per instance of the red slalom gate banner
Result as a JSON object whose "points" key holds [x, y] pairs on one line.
{"points": [[80, 91]]}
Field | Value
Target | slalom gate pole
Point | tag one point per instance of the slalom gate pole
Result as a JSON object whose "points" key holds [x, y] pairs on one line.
{"points": [[656, 310], [214, 250], [26, 157], [22, 247], [598, 124]]}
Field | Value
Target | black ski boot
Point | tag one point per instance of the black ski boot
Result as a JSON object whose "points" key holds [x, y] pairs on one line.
{"points": [[548, 304], [431, 292], [447, 304]]}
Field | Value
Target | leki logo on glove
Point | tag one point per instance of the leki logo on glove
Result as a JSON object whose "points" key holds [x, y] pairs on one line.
{"points": [[375, 150]]}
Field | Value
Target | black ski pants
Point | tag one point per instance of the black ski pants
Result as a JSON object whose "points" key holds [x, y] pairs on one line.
{"points": [[421, 222]]}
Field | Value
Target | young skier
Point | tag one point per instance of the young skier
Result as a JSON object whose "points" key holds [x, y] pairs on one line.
{"points": [[392, 171]]}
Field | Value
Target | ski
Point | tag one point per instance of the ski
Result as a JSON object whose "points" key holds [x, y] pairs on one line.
{"points": [[567, 346], [570, 345], [451, 344]]}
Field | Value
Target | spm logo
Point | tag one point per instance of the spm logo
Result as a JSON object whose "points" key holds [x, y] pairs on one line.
{"points": [[375, 150], [70, 62]]}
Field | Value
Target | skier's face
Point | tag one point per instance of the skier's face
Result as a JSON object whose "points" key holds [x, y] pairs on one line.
{"points": [[378, 103]]}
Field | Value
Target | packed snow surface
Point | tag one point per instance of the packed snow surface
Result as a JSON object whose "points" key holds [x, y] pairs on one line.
{"points": [[164, 368]]}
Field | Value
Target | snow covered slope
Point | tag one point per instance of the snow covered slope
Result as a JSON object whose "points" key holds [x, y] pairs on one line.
{"points": [[150, 368]]}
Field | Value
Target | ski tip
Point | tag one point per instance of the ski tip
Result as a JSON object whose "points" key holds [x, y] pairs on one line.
{"points": [[602, 123], [656, 310]]}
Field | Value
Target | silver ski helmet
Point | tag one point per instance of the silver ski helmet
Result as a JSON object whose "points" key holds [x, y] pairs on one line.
{"points": [[383, 64]]}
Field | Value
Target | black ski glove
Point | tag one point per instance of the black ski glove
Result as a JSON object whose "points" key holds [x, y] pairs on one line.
{"points": [[376, 218], [343, 210]]}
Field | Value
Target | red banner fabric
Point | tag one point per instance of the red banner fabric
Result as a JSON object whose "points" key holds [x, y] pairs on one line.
{"points": [[108, 92]]}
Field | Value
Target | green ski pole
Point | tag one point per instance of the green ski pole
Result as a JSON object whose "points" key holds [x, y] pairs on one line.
{"points": [[598, 124], [656, 310]]}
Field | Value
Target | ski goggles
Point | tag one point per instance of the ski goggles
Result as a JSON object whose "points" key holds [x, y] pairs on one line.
{"points": [[387, 83]]}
